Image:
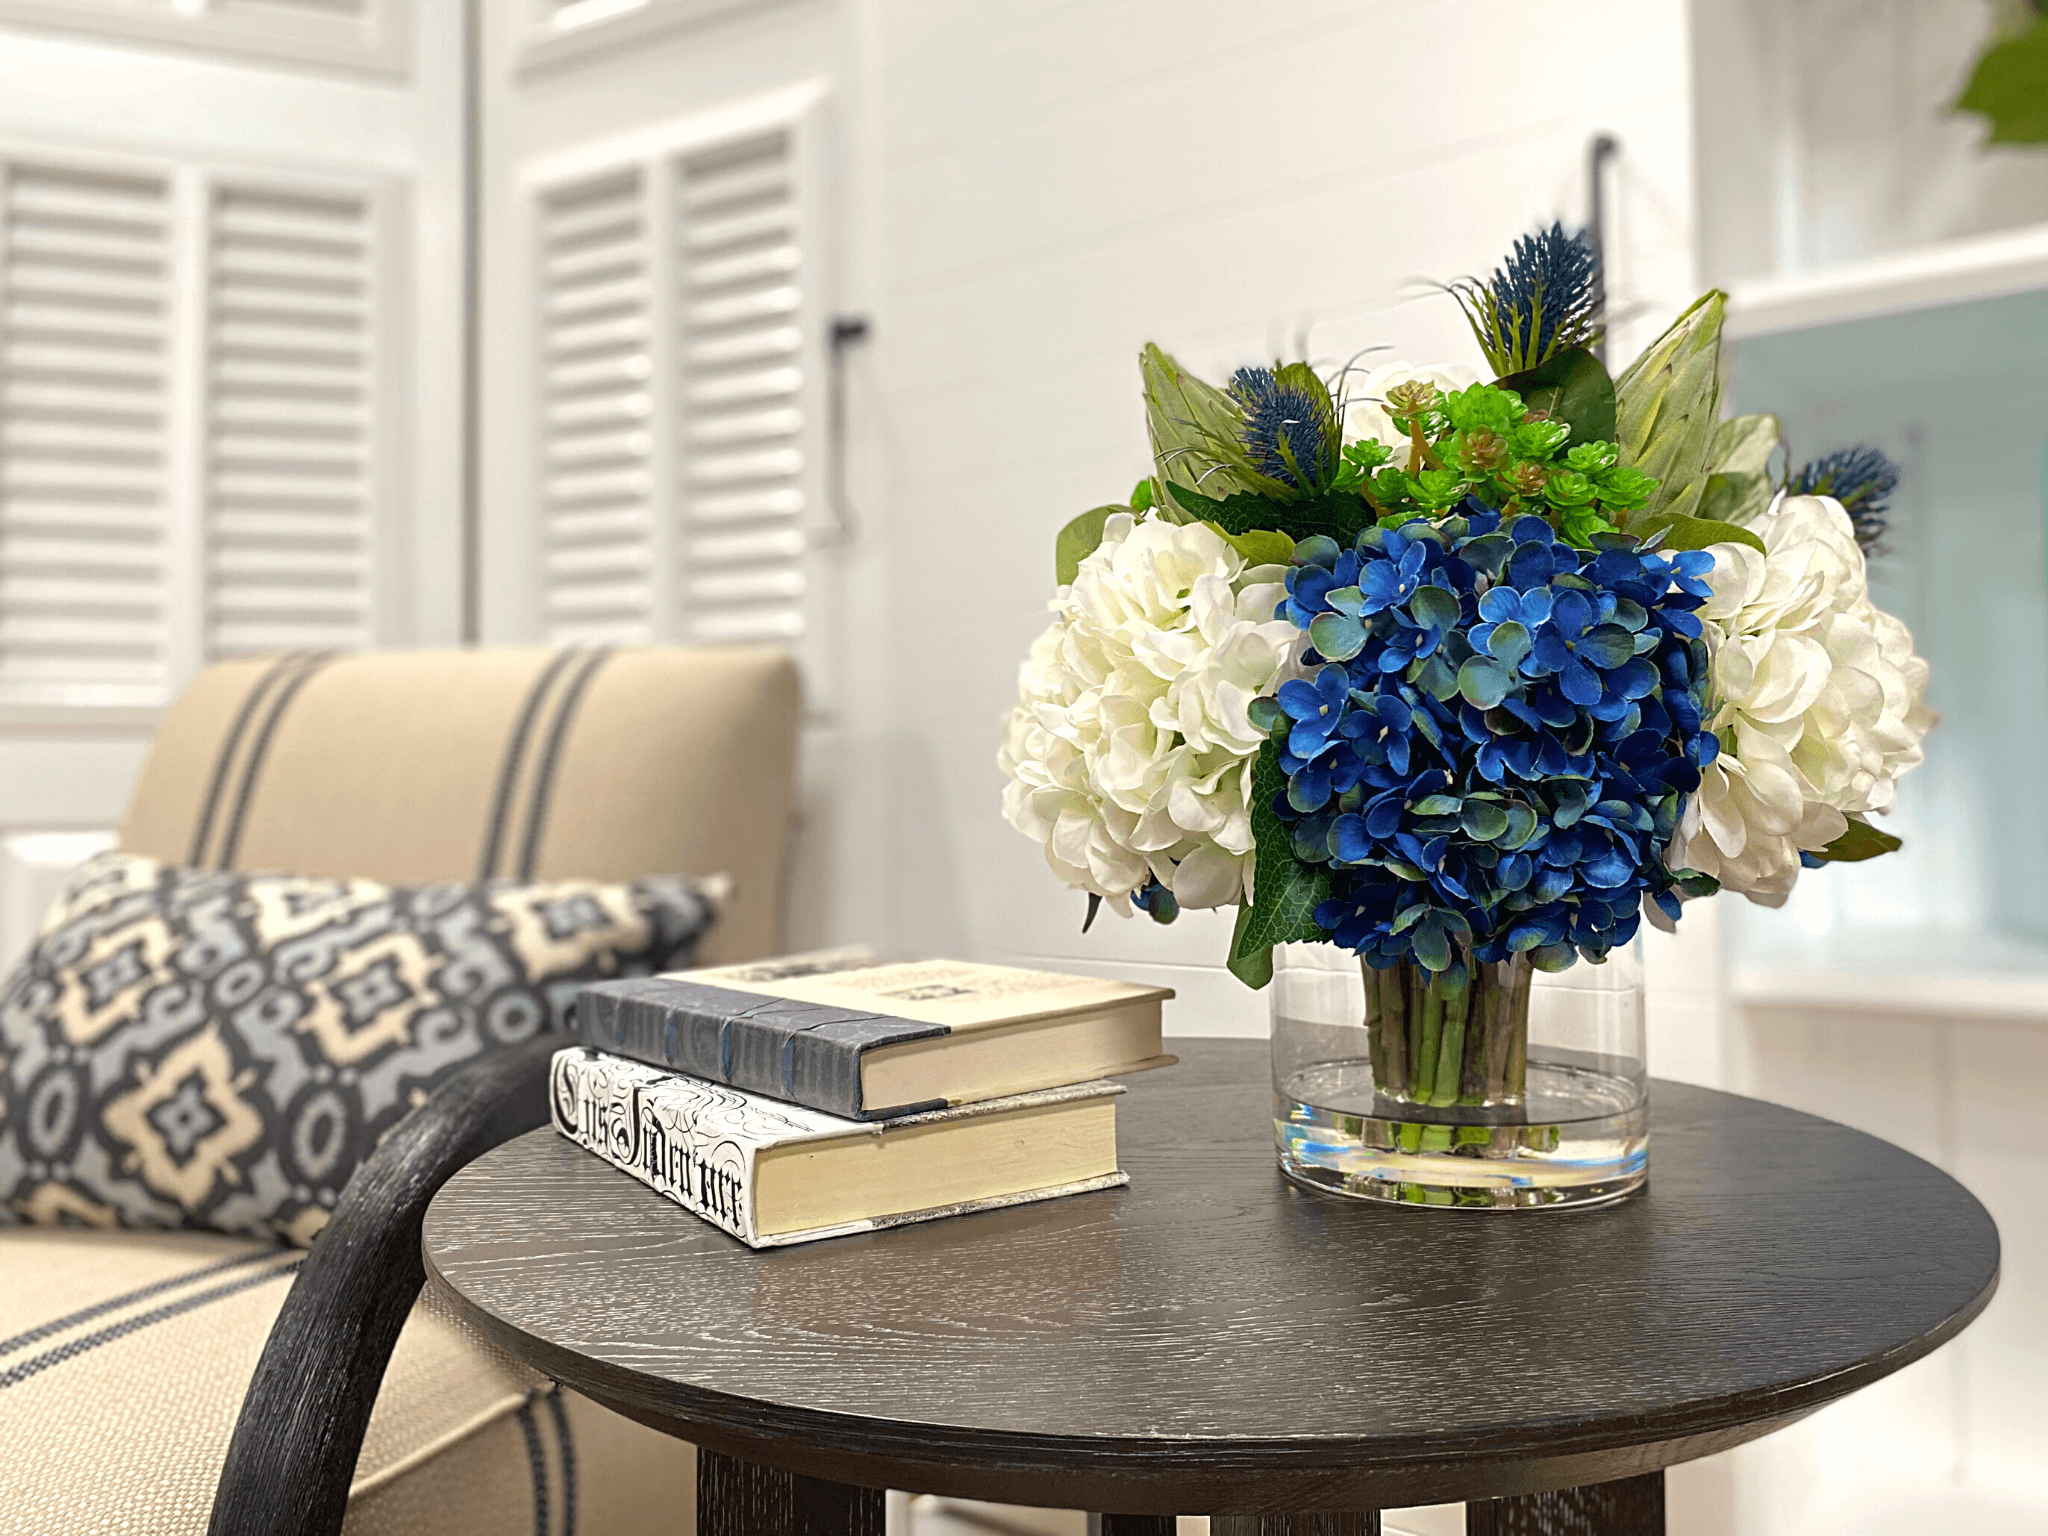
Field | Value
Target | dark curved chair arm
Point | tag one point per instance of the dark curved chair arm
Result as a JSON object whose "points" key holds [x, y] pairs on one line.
{"points": [[295, 1446]]}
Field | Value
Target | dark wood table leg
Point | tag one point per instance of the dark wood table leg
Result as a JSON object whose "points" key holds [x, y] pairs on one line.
{"points": [[1628, 1506], [1363, 1523], [743, 1498], [1130, 1525]]}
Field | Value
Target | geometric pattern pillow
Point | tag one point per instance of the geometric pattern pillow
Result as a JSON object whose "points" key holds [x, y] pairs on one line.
{"points": [[190, 1048]]}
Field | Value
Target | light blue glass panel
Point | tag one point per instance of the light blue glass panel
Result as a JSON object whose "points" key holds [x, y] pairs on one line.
{"points": [[1958, 395]]}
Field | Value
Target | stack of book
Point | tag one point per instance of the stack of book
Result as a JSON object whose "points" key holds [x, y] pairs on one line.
{"points": [[823, 1094]]}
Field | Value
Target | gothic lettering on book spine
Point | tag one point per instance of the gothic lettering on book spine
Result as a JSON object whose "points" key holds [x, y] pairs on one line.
{"points": [[692, 1141]]}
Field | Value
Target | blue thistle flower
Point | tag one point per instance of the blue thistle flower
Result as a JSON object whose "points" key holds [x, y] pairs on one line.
{"points": [[1289, 427], [1861, 479], [1544, 298]]}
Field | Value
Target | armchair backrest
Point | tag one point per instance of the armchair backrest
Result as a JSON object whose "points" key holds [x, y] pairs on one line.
{"points": [[516, 762]]}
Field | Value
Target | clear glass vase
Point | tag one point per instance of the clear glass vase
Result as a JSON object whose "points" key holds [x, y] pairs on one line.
{"points": [[1498, 1086]]}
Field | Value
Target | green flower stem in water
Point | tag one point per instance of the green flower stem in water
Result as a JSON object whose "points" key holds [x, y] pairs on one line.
{"points": [[1457, 1037]]}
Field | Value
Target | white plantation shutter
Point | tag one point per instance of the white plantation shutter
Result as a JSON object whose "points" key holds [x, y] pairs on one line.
{"points": [[289, 395], [190, 459], [596, 370], [742, 392], [85, 371], [682, 316]]}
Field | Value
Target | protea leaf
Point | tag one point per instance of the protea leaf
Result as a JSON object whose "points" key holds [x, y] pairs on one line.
{"points": [[1196, 432], [1668, 406]]}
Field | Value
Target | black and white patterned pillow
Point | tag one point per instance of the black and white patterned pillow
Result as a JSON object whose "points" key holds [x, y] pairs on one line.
{"points": [[186, 1048]]}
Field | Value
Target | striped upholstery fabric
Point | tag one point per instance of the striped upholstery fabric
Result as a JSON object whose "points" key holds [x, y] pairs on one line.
{"points": [[123, 1359], [414, 766], [124, 1356]]}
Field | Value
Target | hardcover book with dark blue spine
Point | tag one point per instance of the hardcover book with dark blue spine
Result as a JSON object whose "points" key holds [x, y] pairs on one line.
{"points": [[849, 1035]]}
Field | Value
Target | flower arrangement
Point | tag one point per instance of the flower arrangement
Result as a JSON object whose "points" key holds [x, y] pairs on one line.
{"points": [[1465, 676]]}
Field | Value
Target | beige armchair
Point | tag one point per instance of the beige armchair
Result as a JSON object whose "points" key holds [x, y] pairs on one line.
{"points": [[126, 1356]]}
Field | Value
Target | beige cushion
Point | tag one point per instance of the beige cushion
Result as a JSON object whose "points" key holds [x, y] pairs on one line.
{"points": [[124, 1357], [413, 766]]}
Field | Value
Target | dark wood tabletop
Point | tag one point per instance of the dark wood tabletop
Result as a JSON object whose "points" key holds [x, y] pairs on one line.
{"points": [[1214, 1340]]}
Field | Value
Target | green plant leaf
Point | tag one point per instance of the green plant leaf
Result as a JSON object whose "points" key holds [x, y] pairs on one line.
{"points": [[1286, 891], [1733, 498], [1862, 841], [1571, 387], [1667, 407], [1335, 515], [2009, 87], [1259, 546], [1742, 445], [1683, 532], [1196, 432], [1078, 540], [1143, 495]]}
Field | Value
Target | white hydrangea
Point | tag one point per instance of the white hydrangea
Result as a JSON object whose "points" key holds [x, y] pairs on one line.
{"points": [[1817, 699], [1367, 407], [1130, 748]]}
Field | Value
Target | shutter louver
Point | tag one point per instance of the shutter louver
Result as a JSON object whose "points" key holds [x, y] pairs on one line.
{"points": [[289, 465], [740, 398], [596, 448], [84, 369]]}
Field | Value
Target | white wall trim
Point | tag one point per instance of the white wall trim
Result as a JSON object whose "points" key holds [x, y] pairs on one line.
{"points": [[594, 29], [1953, 272], [375, 45], [784, 108], [1928, 995]]}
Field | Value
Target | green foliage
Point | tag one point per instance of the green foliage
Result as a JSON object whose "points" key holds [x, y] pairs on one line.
{"points": [[1285, 891], [1334, 514], [1482, 441], [1682, 531], [1260, 546], [1196, 432], [1571, 387], [1862, 841], [1667, 409], [1144, 494], [2009, 87], [1077, 541]]}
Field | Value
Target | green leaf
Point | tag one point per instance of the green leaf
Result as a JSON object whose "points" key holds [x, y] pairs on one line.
{"points": [[1078, 540], [1743, 445], [1195, 429], [1668, 405], [1571, 387], [1260, 546], [2009, 87], [1252, 966], [1143, 495], [1682, 532], [1735, 498], [1336, 515], [1286, 891], [1862, 841], [1485, 822]]}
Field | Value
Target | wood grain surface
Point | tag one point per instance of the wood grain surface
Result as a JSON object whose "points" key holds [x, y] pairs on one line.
{"points": [[1214, 1340]]}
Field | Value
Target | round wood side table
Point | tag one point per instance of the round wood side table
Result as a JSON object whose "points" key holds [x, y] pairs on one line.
{"points": [[1212, 1340]]}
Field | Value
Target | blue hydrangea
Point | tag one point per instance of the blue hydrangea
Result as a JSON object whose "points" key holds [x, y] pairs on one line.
{"points": [[1491, 753]]}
